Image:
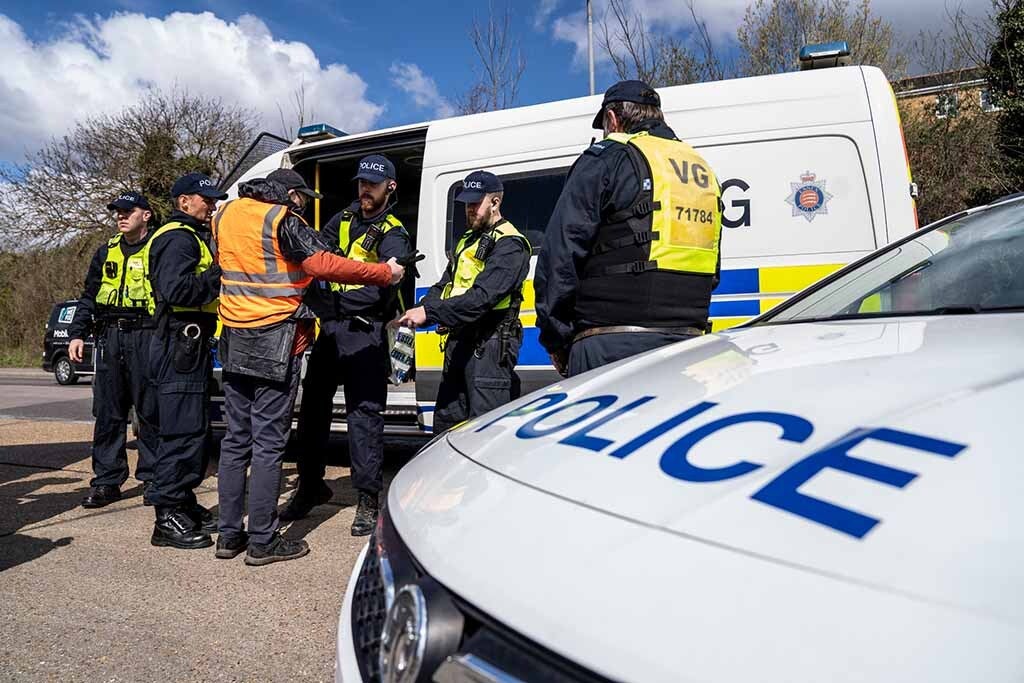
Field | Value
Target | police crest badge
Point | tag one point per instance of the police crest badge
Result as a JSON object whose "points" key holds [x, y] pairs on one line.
{"points": [[808, 197]]}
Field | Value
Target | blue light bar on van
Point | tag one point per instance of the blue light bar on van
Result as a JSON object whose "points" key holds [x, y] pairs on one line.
{"points": [[319, 131], [825, 55]]}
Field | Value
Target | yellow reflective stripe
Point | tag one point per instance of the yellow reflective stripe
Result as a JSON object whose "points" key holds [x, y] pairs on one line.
{"points": [[718, 324], [769, 304], [428, 352], [287, 277], [791, 279]]}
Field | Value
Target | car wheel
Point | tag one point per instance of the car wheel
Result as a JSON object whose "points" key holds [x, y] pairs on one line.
{"points": [[64, 371]]}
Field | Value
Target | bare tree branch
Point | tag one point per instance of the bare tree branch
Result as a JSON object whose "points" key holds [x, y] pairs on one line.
{"points": [[500, 65]]}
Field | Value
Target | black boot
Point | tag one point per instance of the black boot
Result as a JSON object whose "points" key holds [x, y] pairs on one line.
{"points": [[304, 500], [202, 517], [278, 550], [101, 496], [176, 529], [366, 514]]}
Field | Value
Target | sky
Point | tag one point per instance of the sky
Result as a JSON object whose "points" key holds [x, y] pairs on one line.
{"points": [[363, 65]]}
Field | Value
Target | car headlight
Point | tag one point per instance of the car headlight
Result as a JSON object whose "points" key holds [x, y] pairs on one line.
{"points": [[422, 628]]}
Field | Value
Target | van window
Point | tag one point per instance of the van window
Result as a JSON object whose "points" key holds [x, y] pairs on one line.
{"points": [[529, 201]]}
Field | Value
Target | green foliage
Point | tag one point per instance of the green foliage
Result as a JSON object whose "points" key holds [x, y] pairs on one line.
{"points": [[1006, 81]]}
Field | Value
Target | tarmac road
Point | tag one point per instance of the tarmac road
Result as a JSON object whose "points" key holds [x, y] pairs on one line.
{"points": [[85, 597], [34, 394]]}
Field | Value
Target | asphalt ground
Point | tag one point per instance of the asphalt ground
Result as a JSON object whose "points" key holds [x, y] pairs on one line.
{"points": [[85, 597]]}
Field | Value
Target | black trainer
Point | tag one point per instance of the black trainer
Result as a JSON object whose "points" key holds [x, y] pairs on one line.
{"points": [[278, 550], [176, 529], [203, 518], [229, 547], [366, 514], [101, 496], [303, 501]]}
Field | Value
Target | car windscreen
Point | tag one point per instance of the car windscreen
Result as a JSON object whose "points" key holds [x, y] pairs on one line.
{"points": [[973, 264]]}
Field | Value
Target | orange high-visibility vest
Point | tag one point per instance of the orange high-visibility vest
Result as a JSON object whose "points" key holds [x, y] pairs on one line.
{"points": [[258, 286]]}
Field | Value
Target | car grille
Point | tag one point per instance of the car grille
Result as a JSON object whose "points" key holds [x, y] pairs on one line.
{"points": [[368, 611], [482, 636]]}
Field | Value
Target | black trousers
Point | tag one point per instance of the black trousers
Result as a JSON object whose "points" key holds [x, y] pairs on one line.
{"points": [[121, 382], [602, 349], [181, 398], [479, 375], [259, 419], [354, 355]]}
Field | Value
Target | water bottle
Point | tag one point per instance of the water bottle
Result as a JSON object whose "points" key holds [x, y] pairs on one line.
{"points": [[401, 342]]}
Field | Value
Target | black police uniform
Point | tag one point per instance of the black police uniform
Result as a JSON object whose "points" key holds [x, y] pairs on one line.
{"points": [[479, 361], [181, 394], [352, 349], [602, 182], [123, 337]]}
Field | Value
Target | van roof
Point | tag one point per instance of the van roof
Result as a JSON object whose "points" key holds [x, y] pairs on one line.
{"points": [[790, 100]]}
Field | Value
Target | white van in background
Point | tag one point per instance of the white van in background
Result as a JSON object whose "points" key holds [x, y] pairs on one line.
{"points": [[812, 164]]}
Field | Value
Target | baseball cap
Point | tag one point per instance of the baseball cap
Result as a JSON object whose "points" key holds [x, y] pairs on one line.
{"points": [[476, 185], [376, 168], [627, 91], [129, 200], [293, 181], [197, 183]]}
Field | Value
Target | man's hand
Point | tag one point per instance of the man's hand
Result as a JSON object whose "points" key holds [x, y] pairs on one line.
{"points": [[397, 271], [76, 350], [560, 359], [414, 317]]}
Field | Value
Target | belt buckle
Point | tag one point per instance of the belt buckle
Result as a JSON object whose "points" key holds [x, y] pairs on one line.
{"points": [[124, 324]]}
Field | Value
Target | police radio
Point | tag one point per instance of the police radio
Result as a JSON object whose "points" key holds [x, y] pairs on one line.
{"points": [[485, 246], [372, 237]]}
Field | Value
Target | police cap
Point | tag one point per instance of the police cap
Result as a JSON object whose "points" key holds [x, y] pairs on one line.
{"points": [[293, 181], [376, 168], [627, 91], [197, 183], [476, 185], [129, 200]]}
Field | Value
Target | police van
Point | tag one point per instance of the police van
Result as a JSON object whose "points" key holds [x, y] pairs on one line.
{"points": [[812, 165]]}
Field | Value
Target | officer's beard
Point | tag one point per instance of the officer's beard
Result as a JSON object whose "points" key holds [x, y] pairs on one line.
{"points": [[370, 206]]}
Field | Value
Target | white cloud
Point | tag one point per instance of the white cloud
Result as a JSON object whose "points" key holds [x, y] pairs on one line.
{"points": [[723, 17], [544, 11], [101, 65], [423, 90]]}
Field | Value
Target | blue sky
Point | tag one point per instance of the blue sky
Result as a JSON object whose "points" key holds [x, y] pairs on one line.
{"points": [[368, 65]]}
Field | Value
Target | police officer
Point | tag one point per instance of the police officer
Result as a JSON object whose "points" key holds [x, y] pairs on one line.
{"points": [[185, 284], [631, 253], [352, 349], [476, 303], [261, 308], [114, 306]]}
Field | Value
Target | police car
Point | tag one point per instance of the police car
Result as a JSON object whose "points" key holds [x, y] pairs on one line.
{"points": [[830, 492]]}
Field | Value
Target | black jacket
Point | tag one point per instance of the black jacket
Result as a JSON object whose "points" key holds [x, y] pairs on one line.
{"points": [[369, 301], [504, 271], [173, 258], [601, 182], [82, 324]]}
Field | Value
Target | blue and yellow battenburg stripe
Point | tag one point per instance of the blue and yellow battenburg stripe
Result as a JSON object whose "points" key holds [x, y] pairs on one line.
{"points": [[771, 285]]}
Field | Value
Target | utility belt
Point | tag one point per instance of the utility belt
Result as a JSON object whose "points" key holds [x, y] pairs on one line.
{"points": [[635, 329], [502, 324], [125, 322]]}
